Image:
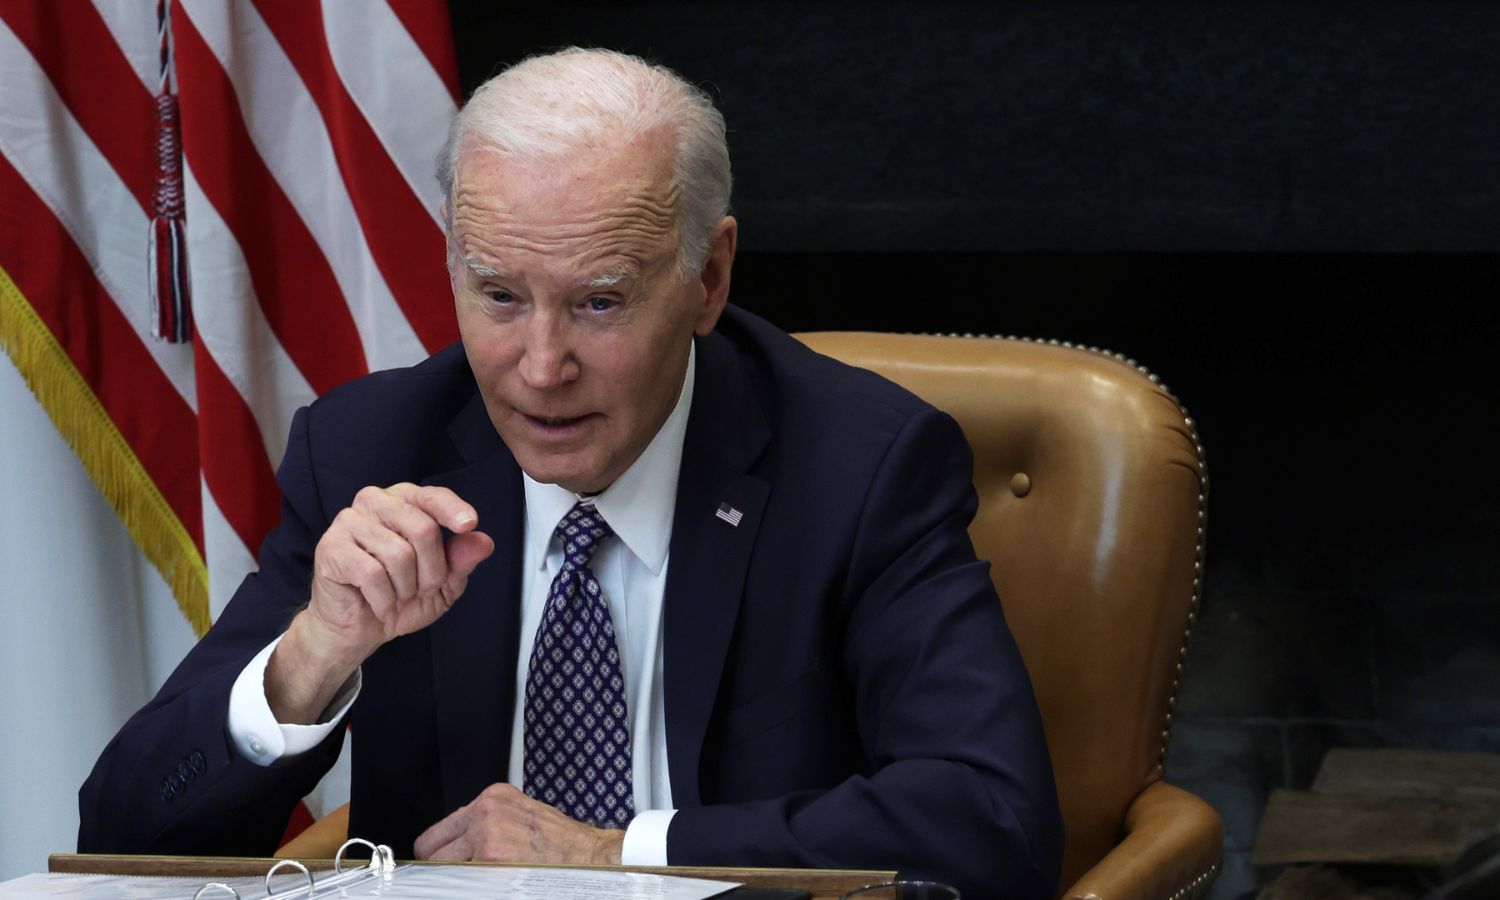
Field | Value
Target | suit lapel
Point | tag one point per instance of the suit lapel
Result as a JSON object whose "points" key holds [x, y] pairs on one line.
{"points": [[475, 677], [709, 556]]}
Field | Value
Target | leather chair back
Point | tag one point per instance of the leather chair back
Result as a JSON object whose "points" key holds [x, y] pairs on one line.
{"points": [[1091, 511]]}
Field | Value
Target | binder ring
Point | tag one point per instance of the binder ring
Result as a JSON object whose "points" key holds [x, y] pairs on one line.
{"points": [[382, 858], [272, 871], [215, 885]]}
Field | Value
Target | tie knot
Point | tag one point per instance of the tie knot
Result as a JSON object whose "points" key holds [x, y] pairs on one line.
{"points": [[581, 532]]}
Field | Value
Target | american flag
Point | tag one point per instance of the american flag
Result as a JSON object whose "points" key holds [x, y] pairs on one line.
{"points": [[313, 244]]}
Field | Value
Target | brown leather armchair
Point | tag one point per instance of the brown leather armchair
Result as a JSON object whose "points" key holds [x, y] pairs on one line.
{"points": [[1092, 494]]}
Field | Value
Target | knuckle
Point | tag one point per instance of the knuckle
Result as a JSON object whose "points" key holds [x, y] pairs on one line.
{"points": [[368, 571], [495, 799], [425, 529], [403, 554]]}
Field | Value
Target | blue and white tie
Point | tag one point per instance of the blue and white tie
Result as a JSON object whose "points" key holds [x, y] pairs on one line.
{"points": [[577, 737]]}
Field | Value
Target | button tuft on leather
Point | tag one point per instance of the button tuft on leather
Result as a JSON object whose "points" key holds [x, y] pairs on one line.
{"points": [[1020, 484]]}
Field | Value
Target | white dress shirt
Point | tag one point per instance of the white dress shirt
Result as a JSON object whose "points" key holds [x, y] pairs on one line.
{"points": [[632, 570]]}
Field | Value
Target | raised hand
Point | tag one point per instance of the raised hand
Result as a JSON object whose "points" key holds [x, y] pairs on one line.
{"points": [[381, 570]]}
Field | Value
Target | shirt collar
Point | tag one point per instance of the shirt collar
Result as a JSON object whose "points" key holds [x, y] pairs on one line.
{"points": [[638, 506]]}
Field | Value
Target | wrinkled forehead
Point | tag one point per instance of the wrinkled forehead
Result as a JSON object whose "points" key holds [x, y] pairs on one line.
{"points": [[621, 200]]}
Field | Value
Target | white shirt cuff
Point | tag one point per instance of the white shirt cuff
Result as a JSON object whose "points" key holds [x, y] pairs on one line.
{"points": [[263, 740], [646, 838]]}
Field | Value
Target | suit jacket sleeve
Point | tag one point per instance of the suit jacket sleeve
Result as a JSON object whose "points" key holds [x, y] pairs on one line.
{"points": [[957, 784], [172, 781]]}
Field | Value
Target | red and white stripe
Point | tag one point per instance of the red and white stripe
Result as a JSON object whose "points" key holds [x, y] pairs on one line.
{"points": [[315, 250]]}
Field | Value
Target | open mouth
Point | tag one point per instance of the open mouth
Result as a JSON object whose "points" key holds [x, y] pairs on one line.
{"points": [[555, 423]]}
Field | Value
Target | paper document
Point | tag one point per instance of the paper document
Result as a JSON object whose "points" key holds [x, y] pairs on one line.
{"points": [[407, 881]]}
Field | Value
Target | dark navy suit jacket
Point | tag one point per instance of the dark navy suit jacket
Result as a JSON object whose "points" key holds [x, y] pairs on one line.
{"points": [[841, 689]]}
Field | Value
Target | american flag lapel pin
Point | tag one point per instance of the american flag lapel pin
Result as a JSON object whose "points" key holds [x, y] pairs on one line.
{"points": [[729, 514]]}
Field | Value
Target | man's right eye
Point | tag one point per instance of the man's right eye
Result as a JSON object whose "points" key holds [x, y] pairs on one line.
{"points": [[499, 296]]}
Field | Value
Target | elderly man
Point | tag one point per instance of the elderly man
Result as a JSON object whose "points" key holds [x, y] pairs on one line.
{"points": [[627, 575]]}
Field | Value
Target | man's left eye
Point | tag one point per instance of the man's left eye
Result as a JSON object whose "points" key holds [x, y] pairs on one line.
{"points": [[601, 304]]}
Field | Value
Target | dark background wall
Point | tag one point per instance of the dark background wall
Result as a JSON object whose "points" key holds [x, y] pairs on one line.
{"points": [[1288, 210]]}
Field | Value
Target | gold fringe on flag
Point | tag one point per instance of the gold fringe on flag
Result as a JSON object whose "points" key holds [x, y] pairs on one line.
{"points": [[111, 463]]}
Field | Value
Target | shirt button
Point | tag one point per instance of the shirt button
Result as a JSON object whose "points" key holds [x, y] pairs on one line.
{"points": [[257, 747]]}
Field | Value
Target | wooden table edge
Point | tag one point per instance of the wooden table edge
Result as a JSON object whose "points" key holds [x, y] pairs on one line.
{"points": [[822, 883]]}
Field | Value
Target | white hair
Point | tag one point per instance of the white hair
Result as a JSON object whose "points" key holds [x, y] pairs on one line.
{"points": [[546, 107]]}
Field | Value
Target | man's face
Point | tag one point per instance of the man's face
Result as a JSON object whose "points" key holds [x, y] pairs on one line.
{"points": [[573, 314]]}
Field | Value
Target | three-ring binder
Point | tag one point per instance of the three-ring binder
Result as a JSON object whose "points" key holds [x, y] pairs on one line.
{"points": [[382, 865]]}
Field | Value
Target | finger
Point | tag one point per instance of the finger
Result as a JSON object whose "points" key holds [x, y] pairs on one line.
{"points": [[449, 509], [458, 850], [418, 530], [467, 551], [442, 834], [396, 556], [350, 564]]}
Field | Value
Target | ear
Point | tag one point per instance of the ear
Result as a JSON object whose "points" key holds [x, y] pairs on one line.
{"points": [[715, 274]]}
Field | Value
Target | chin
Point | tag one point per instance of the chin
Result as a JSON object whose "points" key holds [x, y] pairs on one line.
{"points": [[571, 479]]}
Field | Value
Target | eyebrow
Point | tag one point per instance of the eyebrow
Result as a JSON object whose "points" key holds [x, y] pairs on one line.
{"points": [[482, 270], [608, 278], [615, 275]]}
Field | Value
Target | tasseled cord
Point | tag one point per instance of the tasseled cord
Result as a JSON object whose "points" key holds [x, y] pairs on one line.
{"points": [[171, 312]]}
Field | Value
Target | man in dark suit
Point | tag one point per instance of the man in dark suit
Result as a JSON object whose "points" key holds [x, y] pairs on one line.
{"points": [[759, 635]]}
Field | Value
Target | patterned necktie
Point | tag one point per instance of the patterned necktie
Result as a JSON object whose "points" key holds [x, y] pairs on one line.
{"points": [[577, 737]]}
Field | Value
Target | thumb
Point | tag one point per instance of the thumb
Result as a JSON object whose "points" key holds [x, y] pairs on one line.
{"points": [[466, 551]]}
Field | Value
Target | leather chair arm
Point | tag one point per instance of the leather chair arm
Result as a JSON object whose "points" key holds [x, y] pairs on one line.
{"points": [[321, 839], [1172, 848]]}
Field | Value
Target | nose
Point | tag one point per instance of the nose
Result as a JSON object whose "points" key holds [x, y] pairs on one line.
{"points": [[547, 357]]}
